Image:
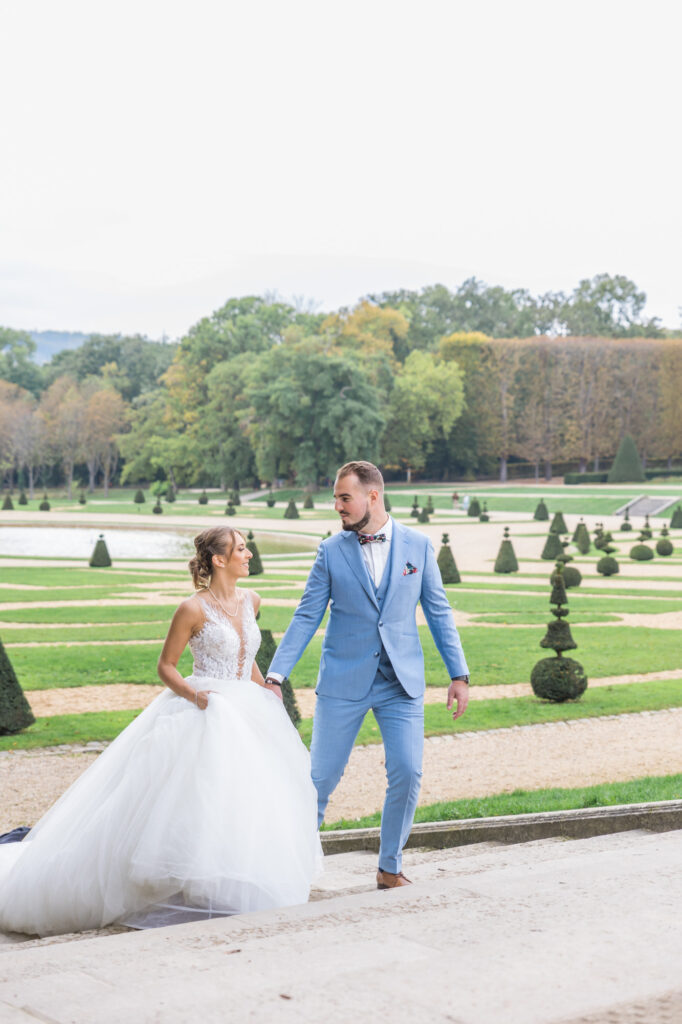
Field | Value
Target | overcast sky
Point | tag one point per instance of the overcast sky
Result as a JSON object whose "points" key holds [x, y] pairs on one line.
{"points": [[157, 158]]}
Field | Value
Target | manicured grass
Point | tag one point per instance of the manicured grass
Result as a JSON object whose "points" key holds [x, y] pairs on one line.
{"points": [[45, 668], [68, 577], [497, 655], [58, 729], [78, 634], [522, 801], [506, 712], [91, 613]]}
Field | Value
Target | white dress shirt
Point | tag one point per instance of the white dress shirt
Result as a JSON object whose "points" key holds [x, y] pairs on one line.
{"points": [[376, 554]]}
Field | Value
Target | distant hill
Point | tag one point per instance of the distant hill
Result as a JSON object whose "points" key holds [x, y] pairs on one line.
{"points": [[51, 342]]}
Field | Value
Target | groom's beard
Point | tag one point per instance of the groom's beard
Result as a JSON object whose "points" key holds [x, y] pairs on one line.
{"points": [[360, 524]]}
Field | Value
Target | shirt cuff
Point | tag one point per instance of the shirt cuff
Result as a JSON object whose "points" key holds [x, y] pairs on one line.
{"points": [[274, 676]]}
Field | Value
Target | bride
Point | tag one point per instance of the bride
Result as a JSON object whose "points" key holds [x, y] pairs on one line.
{"points": [[202, 807]]}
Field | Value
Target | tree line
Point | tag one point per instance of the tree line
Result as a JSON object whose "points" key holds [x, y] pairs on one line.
{"points": [[436, 382]]}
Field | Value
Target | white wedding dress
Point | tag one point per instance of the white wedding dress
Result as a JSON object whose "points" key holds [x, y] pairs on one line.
{"points": [[188, 814]]}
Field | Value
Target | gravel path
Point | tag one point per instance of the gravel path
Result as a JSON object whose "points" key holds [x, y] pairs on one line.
{"points": [[582, 752]]}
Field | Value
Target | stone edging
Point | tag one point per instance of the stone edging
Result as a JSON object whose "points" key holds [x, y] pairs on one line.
{"points": [[663, 816]]}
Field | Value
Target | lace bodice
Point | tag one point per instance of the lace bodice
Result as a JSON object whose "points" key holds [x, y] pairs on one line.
{"points": [[225, 648]]}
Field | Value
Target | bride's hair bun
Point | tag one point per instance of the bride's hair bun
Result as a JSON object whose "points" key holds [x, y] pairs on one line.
{"points": [[219, 540]]}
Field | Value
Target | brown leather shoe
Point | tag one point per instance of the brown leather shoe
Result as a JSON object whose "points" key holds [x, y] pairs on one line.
{"points": [[387, 880]]}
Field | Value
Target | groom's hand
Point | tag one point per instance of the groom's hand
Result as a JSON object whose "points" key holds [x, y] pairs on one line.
{"points": [[275, 686], [458, 692]]}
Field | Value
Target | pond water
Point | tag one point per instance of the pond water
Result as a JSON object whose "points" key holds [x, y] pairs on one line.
{"points": [[78, 542]]}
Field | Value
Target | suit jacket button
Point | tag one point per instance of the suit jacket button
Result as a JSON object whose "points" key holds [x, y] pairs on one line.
{"points": [[376, 654], [381, 623]]}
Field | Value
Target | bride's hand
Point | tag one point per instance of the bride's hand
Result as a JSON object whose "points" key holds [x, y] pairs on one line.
{"points": [[201, 699]]}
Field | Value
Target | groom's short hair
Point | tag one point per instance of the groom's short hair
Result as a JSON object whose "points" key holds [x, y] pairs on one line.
{"points": [[366, 472]]}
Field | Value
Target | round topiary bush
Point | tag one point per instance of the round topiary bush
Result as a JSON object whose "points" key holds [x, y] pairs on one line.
{"points": [[474, 509], [230, 509], [626, 525], [414, 512], [139, 498], [203, 498], [82, 500], [558, 679], [44, 506], [308, 501], [100, 558], [572, 577], [603, 541], [423, 516], [158, 508], [664, 547], [641, 553], [608, 566], [7, 505], [270, 501], [446, 562], [541, 512], [23, 500], [291, 512]]}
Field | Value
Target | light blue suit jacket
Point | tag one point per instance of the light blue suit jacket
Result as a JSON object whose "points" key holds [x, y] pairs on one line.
{"points": [[359, 621]]}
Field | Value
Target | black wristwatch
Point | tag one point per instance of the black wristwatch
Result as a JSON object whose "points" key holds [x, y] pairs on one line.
{"points": [[460, 679], [269, 681]]}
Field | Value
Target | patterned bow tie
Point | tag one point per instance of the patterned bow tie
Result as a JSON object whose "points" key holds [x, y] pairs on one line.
{"points": [[371, 538]]}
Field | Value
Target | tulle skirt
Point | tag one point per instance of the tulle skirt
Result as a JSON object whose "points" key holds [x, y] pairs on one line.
{"points": [[188, 814]]}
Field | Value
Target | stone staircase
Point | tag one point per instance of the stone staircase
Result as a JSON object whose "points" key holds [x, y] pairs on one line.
{"points": [[645, 506], [553, 931]]}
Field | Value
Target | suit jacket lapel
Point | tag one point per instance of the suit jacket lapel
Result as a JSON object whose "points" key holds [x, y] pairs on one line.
{"points": [[397, 559], [353, 555]]}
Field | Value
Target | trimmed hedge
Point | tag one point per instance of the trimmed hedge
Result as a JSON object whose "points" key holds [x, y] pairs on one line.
{"points": [[585, 478]]}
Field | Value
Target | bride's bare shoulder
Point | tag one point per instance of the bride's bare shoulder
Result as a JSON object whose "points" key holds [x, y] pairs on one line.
{"points": [[190, 612]]}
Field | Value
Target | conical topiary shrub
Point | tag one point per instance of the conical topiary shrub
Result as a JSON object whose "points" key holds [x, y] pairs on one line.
{"points": [[158, 508], [485, 515], [100, 557], [553, 547], [387, 503], [429, 505], [308, 501], [255, 564], [44, 506], [641, 553], [581, 538], [603, 541], [541, 512], [506, 557], [608, 566], [415, 503], [449, 572], [82, 500], [676, 520], [15, 711], [423, 516], [645, 533], [236, 498], [291, 512], [271, 500], [664, 545], [558, 678], [474, 509], [627, 465], [558, 524], [266, 653], [7, 505], [23, 500], [230, 510], [170, 494], [203, 498], [626, 525], [139, 498]]}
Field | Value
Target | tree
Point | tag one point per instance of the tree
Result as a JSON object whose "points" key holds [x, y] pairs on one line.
{"points": [[17, 349], [134, 363], [64, 409], [426, 400], [105, 416], [607, 306]]}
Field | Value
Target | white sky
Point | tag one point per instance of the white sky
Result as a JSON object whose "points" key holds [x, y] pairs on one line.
{"points": [[158, 157]]}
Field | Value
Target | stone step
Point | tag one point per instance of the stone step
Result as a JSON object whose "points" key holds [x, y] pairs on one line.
{"points": [[545, 932], [645, 506]]}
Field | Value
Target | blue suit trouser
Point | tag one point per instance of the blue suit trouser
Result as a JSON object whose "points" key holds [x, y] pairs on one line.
{"points": [[401, 720]]}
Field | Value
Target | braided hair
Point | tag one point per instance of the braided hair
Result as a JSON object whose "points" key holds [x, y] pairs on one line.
{"points": [[218, 540]]}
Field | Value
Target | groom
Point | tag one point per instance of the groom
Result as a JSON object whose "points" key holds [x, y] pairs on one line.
{"points": [[372, 575]]}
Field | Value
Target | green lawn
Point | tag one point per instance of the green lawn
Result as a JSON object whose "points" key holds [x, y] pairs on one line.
{"points": [[522, 801]]}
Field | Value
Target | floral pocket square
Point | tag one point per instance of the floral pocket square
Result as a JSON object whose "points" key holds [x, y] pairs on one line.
{"points": [[409, 569]]}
